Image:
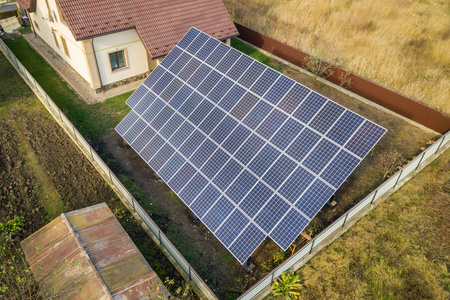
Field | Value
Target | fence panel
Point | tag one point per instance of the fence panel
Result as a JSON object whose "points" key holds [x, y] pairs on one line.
{"points": [[256, 289], [409, 168], [430, 151], [329, 231]]}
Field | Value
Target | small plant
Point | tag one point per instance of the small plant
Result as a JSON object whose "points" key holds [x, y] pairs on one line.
{"points": [[345, 81], [183, 292], [12, 226], [278, 256], [389, 162], [318, 67], [286, 286]]}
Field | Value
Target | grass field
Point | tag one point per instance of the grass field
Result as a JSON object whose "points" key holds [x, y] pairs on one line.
{"points": [[400, 250], [402, 44]]}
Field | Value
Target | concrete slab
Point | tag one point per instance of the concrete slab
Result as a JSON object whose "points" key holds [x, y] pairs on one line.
{"points": [[78, 84]]}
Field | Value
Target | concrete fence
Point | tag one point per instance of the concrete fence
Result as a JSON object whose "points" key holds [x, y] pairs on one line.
{"points": [[263, 287], [179, 262]]}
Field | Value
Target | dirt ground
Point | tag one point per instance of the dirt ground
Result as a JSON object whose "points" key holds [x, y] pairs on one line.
{"points": [[43, 173], [205, 253]]}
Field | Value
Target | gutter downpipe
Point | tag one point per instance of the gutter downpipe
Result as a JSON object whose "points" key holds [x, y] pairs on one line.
{"points": [[96, 64]]}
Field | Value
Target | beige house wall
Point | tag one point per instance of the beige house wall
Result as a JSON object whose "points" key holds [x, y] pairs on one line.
{"points": [[135, 55], [90, 58], [46, 22]]}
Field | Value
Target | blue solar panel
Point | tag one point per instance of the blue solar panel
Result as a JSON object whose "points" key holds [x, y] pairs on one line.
{"points": [[271, 213], [365, 138], [171, 126], [279, 90], [205, 200], [236, 139], [137, 96], [171, 167], [161, 157], [286, 134], [285, 233], [145, 102], [320, 156], [203, 153], [212, 120], [249, 150], [264, 159], [271, 124], [226, 176], [193, 188], [314, 198], [279, 171], [215, 163], [247, 242], [217, 214], [255, 199], [241, 186], [264, 82], [257, 114], [309, 107], [296, 184], [232, 227]]}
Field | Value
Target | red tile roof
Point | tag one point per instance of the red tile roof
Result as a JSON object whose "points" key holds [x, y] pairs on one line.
{"points": [[160, 23]]}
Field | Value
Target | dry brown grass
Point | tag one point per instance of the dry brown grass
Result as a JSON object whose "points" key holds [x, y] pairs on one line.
{"points": [[400, 44]]}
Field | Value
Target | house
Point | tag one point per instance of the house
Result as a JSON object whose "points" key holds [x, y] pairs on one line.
{"points": [[112, 42], [86, 254]]}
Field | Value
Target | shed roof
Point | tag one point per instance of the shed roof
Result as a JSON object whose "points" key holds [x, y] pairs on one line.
{"points": [[160, 23], [86, 254]]}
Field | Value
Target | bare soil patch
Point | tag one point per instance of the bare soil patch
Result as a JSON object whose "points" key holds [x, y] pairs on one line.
{"points": [[43, 173]]}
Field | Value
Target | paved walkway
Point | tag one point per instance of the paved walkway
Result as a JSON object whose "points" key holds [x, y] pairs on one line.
{"points": [[72, 78]]}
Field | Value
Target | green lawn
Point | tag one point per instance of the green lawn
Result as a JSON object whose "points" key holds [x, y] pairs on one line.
{"points": [[93, 121], [252, 52]]}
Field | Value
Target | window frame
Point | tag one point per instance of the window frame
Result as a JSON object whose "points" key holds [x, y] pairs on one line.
{"points": [[55, 37], [64, 44], [125, 61]]}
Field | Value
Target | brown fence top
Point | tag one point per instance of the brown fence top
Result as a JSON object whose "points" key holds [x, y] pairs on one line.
{"points": [[387, 98], [86, 254]]}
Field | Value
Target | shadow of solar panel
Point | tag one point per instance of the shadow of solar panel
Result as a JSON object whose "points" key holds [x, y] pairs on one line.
{"points": [[252, 152]]}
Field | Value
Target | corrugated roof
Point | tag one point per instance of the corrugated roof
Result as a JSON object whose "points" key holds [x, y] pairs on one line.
{"points": [[86, 254], [160, 23]]}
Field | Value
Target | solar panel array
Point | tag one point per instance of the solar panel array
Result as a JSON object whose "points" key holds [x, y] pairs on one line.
{"points": [[250, 151]]}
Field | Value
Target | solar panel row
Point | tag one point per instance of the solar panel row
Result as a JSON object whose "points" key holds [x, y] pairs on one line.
{"points": [[250, 151]]}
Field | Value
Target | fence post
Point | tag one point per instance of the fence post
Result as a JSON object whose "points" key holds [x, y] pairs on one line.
{"points": [[420, 161], [440, 144], [312, 246], [400, 175], [345, 220], [373, 200]]}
